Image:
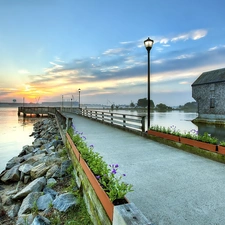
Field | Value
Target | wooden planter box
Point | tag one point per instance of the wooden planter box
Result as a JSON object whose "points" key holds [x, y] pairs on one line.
{"points": [[164, 135], [198, 144], [75, 150], [221, 149], [103, 197]]}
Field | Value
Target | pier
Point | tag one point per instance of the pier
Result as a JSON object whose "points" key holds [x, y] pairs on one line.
{"points": [[38, 111], [171, 186]]}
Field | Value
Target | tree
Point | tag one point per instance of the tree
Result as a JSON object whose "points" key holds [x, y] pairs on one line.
{"points": [[143, 102], [162, 107], [132, 104]]}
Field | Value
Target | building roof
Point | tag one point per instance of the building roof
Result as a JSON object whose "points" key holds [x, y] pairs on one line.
{"points": [[214, 76]]}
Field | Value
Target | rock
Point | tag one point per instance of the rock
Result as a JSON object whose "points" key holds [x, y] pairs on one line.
{"points": [[13, 211], [64, 166], [29, 203], [25, 168], [26, 179], [44, 201], [25, 219], [51, 171], [11, 174], [35, 186], [39, 170], [34, 159], [40, 220], [50, 191], [64, 201], [14, 161], [51, 182], [2, 210]]}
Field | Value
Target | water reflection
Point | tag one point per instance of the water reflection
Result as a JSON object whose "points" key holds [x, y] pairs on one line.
{"points": [[28, 120], [217, 131]]}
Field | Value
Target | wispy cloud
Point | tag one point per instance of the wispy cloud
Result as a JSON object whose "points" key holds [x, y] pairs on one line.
{"points": [[194, 35], [23, 71]]}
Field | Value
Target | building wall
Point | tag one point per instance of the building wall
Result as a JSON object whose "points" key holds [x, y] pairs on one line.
{"points": [[211, 100]]}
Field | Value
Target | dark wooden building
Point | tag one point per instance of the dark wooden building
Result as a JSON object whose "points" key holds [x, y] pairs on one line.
{"points": [[209, 92]]}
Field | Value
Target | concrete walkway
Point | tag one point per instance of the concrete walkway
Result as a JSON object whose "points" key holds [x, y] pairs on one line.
{"points": [[170, 186]]}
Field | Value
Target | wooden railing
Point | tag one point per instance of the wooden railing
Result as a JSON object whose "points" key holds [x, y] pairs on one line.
{"points": [[125, 120], [134, 122]]}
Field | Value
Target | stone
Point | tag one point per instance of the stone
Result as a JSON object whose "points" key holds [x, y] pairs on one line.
{"points": [[35, 186], [25, 219], [14, 161], [29, 203], [64, 201], [26, 179], [50, 191], [11, 174], [25, 168], [51, 182], [40, 220], [39, 170], [64, 166], [44, 201], [13, 211], [34, 159], [51, 171]]}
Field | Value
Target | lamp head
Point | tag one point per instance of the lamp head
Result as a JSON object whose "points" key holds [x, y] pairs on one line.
{"points": [[148, 43]]}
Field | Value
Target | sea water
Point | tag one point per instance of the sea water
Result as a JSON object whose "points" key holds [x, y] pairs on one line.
{"points": [[14, 133]]}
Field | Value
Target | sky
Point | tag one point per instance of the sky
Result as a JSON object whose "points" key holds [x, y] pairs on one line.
{"points": [[51, 48]]}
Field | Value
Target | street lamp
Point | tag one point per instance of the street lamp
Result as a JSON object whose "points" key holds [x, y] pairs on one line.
{"points": [[148, 45], [79, 96]]}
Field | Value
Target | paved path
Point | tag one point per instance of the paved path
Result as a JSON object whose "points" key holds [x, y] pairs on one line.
{"points": [[170, 186]]}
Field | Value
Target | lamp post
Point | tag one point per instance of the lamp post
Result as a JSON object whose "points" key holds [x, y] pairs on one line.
{"points": [[148, 45], [79, 96]]}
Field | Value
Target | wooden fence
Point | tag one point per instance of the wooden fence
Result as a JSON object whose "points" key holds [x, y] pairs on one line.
{"points": [[125, 120]]}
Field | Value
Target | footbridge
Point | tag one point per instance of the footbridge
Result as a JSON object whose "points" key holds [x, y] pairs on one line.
{"points": [[171, 186]]}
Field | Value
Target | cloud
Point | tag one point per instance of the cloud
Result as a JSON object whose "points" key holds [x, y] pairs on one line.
{"points": [[116, 51], [23, 71], [194, 35]]}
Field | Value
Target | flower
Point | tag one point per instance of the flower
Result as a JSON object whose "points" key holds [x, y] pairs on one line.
{"points": [[107, 175]]}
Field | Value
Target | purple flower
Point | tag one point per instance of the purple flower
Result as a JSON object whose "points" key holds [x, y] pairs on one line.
{"points": [[84, 137], [114, 171], [124, 174], [98, 177], [91, 146], [116, 166]]}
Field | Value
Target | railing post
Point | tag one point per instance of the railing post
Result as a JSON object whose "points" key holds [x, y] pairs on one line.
{"points": [[124, 120], [69, 122], [111, 118], [102, 116], [143, 123], [96, 115]]}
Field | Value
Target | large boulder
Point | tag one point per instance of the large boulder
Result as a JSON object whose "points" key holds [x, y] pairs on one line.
{"points": [[64, 201], [35, 186], [40, 220], [39, 170], [29, 203], [11, 174], [44, 201]]}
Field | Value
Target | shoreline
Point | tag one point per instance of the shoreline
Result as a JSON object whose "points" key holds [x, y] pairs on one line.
{"points": [[36, 170]]}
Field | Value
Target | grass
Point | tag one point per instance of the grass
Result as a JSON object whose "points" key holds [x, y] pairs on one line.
{"points": [[75, 215]]}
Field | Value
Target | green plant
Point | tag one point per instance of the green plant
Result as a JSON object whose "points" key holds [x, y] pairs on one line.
{"points": [[222, 143], [34, 209], [192, 134], [106, 174]]}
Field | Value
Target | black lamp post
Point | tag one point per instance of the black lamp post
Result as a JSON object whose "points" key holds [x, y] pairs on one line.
{"points": [[79, 96], [148, 45]]}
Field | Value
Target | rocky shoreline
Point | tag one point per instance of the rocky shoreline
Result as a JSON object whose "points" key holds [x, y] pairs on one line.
{"points": [[28, 181]]}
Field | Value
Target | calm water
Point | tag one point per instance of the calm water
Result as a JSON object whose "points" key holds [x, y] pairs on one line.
{"points": [[15, 131], [14, 134]]}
